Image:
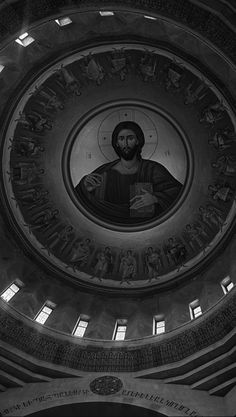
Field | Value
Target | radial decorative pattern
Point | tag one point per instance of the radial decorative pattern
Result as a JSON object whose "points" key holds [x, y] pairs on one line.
{"points": [[60, 131]]}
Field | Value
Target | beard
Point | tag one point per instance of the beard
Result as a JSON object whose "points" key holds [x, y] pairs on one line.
{"points": [[127, 153]]}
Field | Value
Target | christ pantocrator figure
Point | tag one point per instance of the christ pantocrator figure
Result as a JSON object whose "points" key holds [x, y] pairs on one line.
{"points": [[129, 187]]}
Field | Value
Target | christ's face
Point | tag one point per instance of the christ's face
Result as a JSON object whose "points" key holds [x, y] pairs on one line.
{"points": [[127, 144]]}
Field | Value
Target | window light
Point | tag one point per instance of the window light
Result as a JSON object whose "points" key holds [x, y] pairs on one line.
{"points": [[227, 285], [150, 17], [63, 21], [80, 327], [120, 330], [106, 13], [195, 309], [45, 312], [1, 68], [12, 290], [158, 326], [25, 39]]}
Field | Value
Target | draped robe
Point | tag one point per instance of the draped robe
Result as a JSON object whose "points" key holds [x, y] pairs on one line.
{"points": [[112, 198]]}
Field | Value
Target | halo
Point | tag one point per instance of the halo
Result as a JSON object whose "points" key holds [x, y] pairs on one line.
{"points": [[127, 114]]}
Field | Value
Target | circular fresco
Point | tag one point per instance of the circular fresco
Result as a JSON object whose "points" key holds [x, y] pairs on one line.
{"points": [[138, 184], [119, 166]]}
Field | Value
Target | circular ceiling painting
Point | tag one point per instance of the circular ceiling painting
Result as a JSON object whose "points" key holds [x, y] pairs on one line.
{"points": [[138, 184], [119, 166]]}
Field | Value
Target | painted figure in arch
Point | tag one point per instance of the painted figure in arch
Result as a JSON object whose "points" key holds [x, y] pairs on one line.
{"points": [[212, 113], [68, 82], [48, 99], [32, 195], [104, 263], [24, 173], [148, 66], [173, 76], [128, 266], [28, 148], [225, 165], [196, 236], [62, 238], [222, 140], [45, 219], [194, 93], [92, 70], [35, 122], [175, 251], [211, 216], [153, 262], [119, 64], [222, 193], [81, 252]]}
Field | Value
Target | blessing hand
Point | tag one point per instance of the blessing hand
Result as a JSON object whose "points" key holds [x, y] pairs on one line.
{"points": [[143, 200], [92, 181]]}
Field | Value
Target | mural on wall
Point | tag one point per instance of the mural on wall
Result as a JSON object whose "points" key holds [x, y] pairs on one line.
{"points": [[128, 165], [130, 188]]}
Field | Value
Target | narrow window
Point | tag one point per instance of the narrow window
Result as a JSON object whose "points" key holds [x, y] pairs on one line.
{"points": [[158, 325], [44, 312], [12, 290], [80, 326], [106, 13], [227, 285], [25, 39], [120, 329], [63, 21], [195, 309], [149, 17]]}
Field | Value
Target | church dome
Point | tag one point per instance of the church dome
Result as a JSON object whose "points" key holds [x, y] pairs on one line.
{"points": [[102, 238]]}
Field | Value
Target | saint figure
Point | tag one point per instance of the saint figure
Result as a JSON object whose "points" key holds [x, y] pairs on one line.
{"points": [[129, 189]]}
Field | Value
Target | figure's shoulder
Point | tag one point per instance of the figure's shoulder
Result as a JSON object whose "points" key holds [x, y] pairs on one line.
{"points": [[148, 163], [159, 172]]}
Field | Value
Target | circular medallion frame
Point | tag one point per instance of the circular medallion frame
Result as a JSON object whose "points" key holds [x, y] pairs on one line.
{"points": [[86, 209]]}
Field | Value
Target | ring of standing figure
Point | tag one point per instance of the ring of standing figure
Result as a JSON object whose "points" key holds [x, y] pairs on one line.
{"points": [[73, 100]]}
